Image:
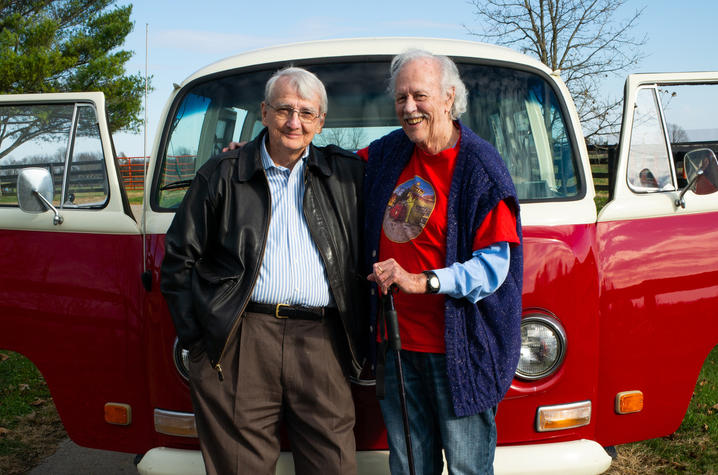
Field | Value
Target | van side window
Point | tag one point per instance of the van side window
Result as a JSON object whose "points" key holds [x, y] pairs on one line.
{"points": [[691, 120], [86, 184], [649, 161], [49, 136]]}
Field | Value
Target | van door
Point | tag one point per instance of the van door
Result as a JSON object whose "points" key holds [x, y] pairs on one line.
{"points": [[70, 283], [658, 255]]}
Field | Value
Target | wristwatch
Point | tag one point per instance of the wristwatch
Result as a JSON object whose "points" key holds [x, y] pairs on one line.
{"points": [[432, 282]]}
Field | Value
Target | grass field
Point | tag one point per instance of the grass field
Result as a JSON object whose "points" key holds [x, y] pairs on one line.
{"points": [[135, 196], [601, 196]]}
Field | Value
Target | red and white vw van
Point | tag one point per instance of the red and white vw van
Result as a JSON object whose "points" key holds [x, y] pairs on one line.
{"points": [[620, 306]]}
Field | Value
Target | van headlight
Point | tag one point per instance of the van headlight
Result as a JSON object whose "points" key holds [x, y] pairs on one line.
{"points": [[543, 346], [181, 359]]}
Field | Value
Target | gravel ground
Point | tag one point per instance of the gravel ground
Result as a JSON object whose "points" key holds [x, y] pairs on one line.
{"points": [[71, 459]]}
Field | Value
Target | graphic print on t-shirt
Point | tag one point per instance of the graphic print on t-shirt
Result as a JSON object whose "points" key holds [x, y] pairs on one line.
{"points": [[409, 209]]}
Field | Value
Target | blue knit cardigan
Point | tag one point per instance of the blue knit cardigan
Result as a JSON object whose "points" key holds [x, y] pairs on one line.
{"points": [[483, 339]]}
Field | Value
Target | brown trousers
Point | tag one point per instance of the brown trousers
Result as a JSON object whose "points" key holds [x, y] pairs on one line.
{"points": [[275, 370]]}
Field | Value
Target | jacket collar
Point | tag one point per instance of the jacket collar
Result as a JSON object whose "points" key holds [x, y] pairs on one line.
{"points": [[318, 161], [250, 161]]}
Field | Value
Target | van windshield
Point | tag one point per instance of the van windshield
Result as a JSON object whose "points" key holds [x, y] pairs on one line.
{"points": [[516, 111]]}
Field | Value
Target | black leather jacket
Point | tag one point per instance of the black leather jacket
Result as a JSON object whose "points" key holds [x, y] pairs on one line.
{"points": [[215, 245]]}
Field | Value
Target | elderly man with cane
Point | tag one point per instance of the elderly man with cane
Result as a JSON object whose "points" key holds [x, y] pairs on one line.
{"points": [[442, 226]]}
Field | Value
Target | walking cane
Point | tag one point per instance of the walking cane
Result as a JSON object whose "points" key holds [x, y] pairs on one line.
{"points": [[392, 330]]}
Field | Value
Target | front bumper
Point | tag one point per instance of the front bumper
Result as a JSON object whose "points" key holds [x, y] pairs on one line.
{"points": [[578, 457]]}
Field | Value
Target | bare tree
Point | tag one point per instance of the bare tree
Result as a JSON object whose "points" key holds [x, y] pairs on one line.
{"points": [[676, 133], [348, 138], [583, 39], [21, 124]]}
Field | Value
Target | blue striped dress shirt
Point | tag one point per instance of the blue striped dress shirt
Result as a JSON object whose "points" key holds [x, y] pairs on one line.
{"points": [[292, 270]]}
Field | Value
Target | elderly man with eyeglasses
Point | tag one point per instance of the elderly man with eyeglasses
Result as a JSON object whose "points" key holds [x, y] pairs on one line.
{"points": [[260, 278]]}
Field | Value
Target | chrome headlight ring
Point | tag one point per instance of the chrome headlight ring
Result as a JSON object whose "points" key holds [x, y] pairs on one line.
{"points": [[543, 346], [180, 356]]}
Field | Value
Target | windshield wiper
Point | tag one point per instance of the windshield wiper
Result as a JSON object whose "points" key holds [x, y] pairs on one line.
{"points": [[177, 184]]}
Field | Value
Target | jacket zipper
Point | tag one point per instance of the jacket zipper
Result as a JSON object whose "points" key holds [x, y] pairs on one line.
{"points": [[218, 365], [313, 185]]}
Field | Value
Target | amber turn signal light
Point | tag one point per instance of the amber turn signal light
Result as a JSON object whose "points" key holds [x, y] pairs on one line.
{"points": [[118, 414], [563, 416], [628, 402], [180, 424]]}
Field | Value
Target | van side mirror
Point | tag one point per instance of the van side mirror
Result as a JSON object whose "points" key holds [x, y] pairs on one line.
{"points": [[35, 192], [701, 169]]}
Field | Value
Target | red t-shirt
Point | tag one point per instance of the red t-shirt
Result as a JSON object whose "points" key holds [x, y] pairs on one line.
{"points": [[414, 234]]}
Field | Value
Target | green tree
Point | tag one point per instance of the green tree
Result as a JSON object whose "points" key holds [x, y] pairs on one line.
{"points": [[71, 45], [585, 40]]}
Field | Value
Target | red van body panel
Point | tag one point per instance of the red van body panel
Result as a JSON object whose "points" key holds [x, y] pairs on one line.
{"points": [[72, 305], [659, 301]]}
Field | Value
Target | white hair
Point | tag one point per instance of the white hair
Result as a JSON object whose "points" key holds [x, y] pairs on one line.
{"points": [[450, 78], [307, 84]]}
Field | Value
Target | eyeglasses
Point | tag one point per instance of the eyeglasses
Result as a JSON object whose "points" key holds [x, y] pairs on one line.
{"points": [[285, 112]]}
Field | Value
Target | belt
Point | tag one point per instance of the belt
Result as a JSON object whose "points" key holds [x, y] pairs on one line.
{"points": [[297, 312]]}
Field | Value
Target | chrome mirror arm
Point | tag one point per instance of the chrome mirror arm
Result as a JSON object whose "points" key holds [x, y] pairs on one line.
{"points": [[57, 219], [680, 201]]}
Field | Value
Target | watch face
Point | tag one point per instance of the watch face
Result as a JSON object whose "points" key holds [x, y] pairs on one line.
{"points": [[434, 283]]}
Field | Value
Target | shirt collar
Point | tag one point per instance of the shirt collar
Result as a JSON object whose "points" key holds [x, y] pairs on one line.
{"points": [[267, 161]]}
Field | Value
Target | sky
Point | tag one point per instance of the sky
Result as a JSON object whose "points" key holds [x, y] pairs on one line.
{"points": [[184, 36]]}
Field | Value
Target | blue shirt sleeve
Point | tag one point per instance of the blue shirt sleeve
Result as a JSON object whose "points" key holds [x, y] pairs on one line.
{"points": [[478, 277]]}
